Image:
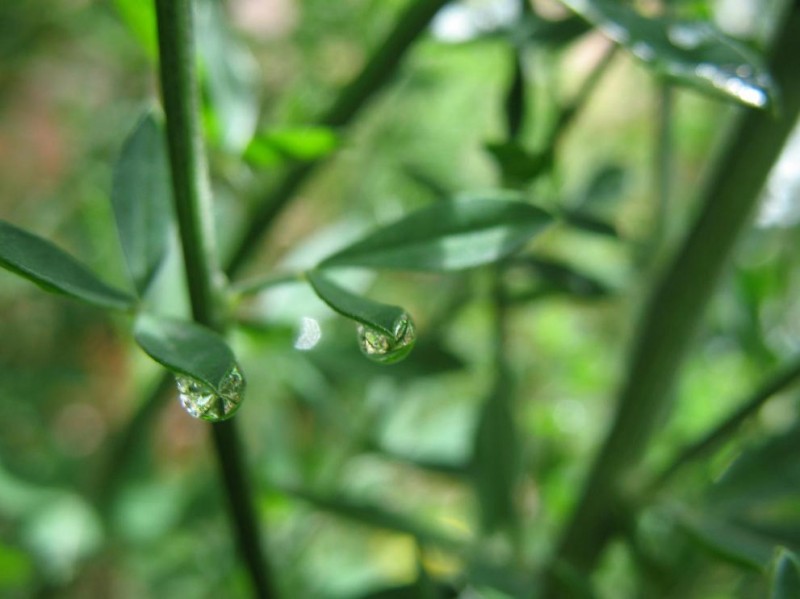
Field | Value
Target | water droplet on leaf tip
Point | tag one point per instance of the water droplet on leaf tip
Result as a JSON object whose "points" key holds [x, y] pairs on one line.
{"points": [[203, 402], [388, 349]]}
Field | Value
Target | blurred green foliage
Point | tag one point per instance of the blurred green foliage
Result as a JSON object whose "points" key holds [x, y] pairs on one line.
{"points": [[448, 474]]}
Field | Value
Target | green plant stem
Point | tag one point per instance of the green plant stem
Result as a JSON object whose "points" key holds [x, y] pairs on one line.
{"points": [[663, 166], [192, 198], [674, 310], [380, 68], [780, 381]]}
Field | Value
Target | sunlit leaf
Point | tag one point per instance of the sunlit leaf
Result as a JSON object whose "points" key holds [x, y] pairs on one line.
{"points": [[186, 348], [141, 196], [695, 53], [54, 270], [448, 235], [785, 576], [275, 146]]}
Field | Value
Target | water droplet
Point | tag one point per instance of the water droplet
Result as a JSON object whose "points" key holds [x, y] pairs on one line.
{"points": [[201, 401], [386, 349], [309, 334]]}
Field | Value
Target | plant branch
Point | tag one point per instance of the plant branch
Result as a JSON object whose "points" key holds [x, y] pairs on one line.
{"points": [[376, 73], [675, 307], [730, 425], [192, 198]]}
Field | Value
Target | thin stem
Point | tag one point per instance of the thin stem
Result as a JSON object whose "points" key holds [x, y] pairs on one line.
{"points": [[192, 198], [376, 73], [783, 379], [675, 307]]}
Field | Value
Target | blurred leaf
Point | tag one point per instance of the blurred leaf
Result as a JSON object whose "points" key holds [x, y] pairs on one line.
{"points": [[563, 278], [16, 569], [785, 576], [515, 96], [589, 223], [275, 146], [555, 34], [54, 270], [186, 348], [605, 187], [140, 17], [766, 472], [694, 53], [230, 74], [447, 236], [496, 461], [517, 165], [726, 540], [142, 199], [428, 182], [370, 515]]}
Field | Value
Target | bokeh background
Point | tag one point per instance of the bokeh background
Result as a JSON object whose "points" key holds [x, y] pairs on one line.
{"points": [[325, 430]]}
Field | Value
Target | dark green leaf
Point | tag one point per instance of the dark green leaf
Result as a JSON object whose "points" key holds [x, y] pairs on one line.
{"points": [[605, 187], [695, 53], [186, 348], [517, 165], [447, 236], [370, 515], [428, 182], [142, 199], [555, 33], [515, 97], [589, 223], [275, 146], [54, 270], [769, 471], [496, 462], [726, 540], [785, 576], [563, 278]]}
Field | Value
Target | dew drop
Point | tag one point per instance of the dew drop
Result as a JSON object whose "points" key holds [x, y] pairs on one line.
{"points": [[386, 349], [203, 402]]}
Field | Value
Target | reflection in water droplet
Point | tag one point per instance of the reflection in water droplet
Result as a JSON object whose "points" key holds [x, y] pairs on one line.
{"points": [[750, 90], [201, 401], [386, 349]]}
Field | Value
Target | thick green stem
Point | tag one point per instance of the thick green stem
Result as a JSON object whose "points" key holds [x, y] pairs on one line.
{"points": [[191, 189], [675, 308], [376, 73]]}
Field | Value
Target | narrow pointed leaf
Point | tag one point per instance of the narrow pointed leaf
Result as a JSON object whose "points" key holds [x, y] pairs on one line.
{"points": [[54, 270], [786, 576], [563, 278], [305, 144], [186, 348], [694, 53], [446, 236], [142, 198], [386, 334], [582, 220]]}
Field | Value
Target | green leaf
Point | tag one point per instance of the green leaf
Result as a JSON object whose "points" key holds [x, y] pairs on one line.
{"points": [[186, 348], [515, 100], [694, 53], [54, 270], [370, 515], [560, 277], [389, 333], [446, 236], [496, 462], [302, 144], [142, 199], [588, 223], [785, 576], [554, 34], [605, 187], [140, 17], [518, 166]]}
